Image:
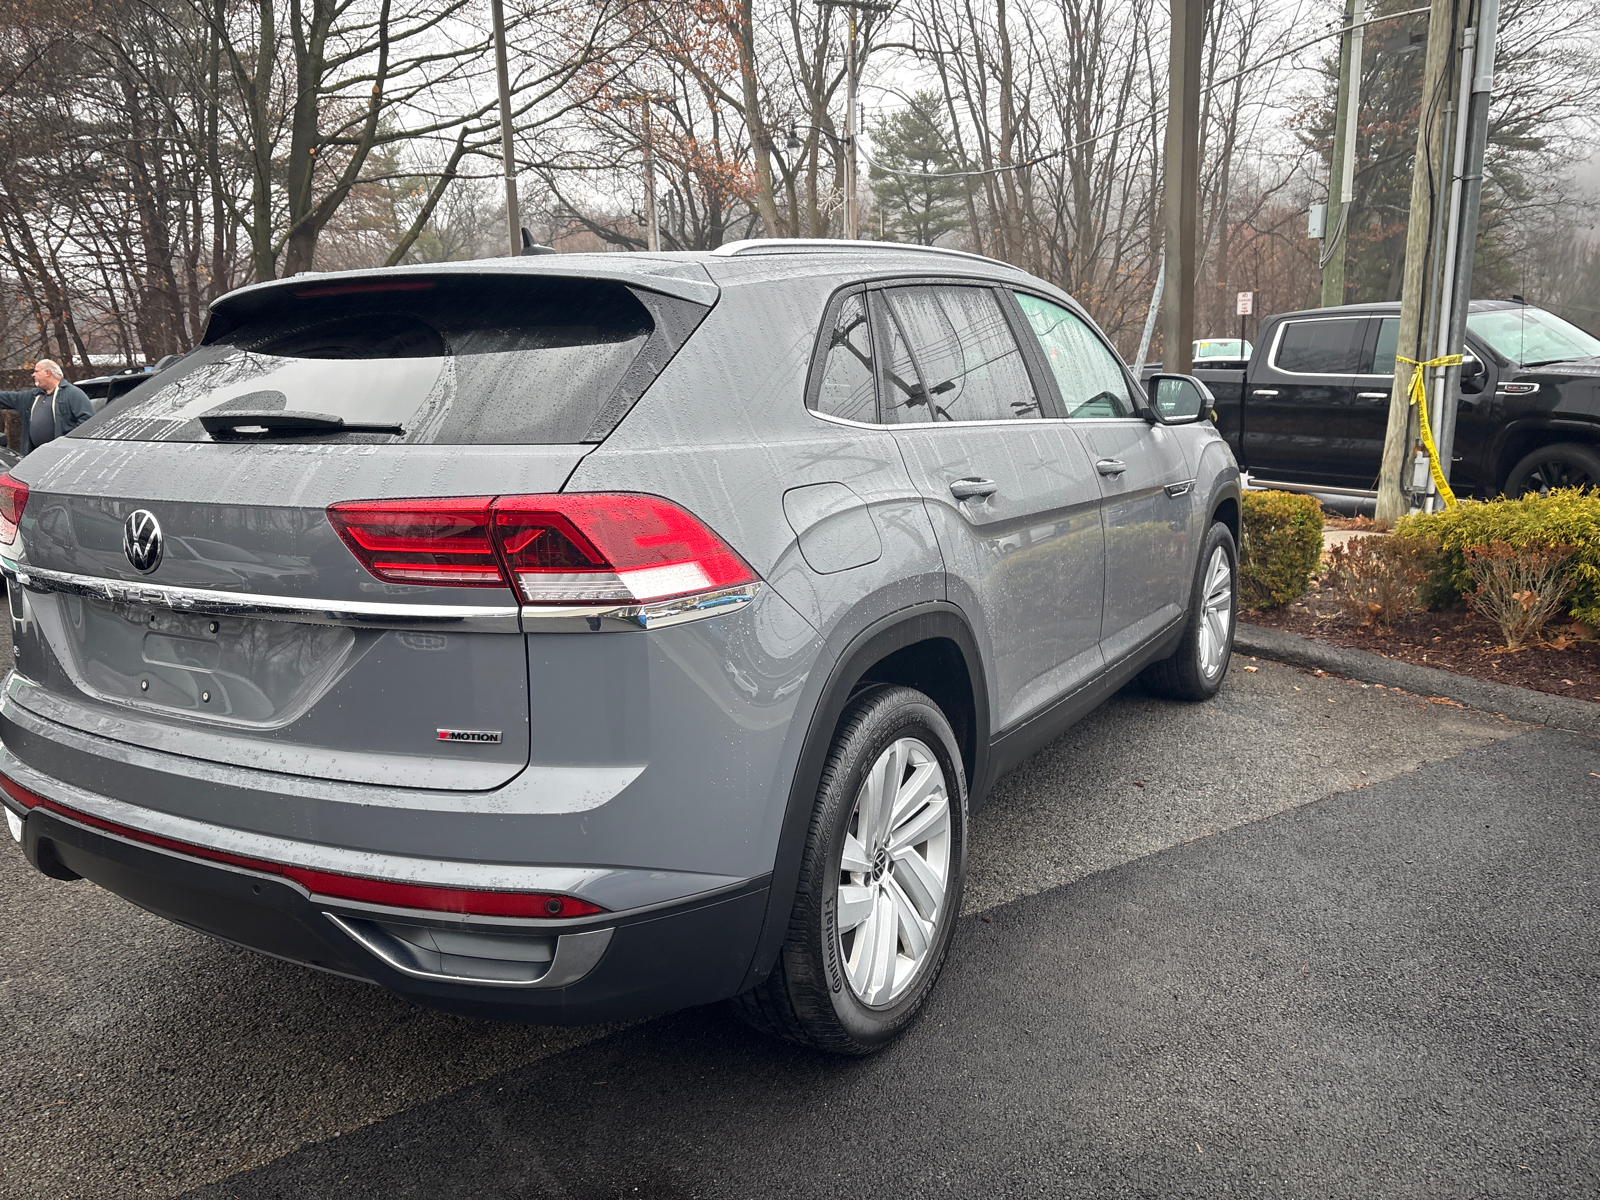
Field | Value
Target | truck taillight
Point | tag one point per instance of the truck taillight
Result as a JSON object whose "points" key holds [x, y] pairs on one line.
{"points": [[13, 497], [581, 549]]}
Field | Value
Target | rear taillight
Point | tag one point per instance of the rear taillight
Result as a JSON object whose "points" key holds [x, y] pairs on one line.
{"points": [[587, 548], [439, 542], [334, 885], [13, 498]]}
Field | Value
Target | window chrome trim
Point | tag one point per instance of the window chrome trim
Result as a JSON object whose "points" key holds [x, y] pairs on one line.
{"points": [[1277, 344], [615, 618], [499, 618]]}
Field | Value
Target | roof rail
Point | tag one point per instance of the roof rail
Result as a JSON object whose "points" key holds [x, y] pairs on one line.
{"points": [[841, 246]]}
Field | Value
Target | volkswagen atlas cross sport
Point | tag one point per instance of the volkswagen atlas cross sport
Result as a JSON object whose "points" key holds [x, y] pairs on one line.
{"points": [[574, 638]]}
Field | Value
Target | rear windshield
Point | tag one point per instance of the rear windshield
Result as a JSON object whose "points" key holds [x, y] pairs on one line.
{"points": [[452, 361]]}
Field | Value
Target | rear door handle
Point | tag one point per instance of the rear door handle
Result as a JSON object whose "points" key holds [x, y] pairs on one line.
{"points": [[1111, 466], [1264, 392], [1372, 395], [970, 489]]}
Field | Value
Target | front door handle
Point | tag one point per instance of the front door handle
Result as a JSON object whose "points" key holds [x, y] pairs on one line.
{"points": [[1111, 466], [1264, 392], [1372, 395], [971, 489]]}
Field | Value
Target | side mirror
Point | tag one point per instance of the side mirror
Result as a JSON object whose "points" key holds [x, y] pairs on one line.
{"points": [[1471, 366], [1178, 399]]}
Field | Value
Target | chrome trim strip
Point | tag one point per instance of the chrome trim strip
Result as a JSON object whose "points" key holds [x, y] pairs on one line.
{"points": [[662, 614], [576, 955], [205, 602], [1180, 489]]}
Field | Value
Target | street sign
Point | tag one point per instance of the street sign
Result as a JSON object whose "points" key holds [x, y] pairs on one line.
{"points": [[1246, 304]]}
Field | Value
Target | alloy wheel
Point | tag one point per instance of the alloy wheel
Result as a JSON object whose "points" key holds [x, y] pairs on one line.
{"points": [[894, 872], [1556, 473], [1216, 612]]}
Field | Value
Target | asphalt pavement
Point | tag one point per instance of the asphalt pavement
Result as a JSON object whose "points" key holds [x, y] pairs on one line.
{"points": [[1312, 938]]}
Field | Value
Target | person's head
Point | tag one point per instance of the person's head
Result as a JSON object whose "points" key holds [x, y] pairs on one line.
{"points": [[47, 373]]}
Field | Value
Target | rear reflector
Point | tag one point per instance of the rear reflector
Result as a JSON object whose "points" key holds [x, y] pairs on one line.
{"points": [[331, 884], [13, 498], [585, 548]]}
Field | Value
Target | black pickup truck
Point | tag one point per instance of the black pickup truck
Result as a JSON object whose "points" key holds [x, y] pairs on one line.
{"points": [[1311, 406]]}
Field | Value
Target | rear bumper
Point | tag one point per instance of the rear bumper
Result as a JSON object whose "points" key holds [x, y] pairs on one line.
{"points": [[609, 967]]}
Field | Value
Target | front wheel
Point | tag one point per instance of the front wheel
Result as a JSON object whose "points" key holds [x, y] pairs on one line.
{"points": [[1196, 669], [880, 881]]}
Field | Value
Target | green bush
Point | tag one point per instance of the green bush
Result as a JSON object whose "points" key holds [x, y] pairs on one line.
{"points": [[1565, 517], [1281, 547]]}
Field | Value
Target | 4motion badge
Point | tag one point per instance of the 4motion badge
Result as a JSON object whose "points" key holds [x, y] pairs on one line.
{"points": [[469, 735]]}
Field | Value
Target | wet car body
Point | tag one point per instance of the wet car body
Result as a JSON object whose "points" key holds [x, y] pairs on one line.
{"points": [[260, 737]]}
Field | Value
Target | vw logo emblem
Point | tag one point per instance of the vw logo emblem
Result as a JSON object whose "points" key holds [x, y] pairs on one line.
{"points": [[141, 541]]}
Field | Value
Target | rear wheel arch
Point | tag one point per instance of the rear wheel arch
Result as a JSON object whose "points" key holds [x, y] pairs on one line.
{"points": [[899, 649]]}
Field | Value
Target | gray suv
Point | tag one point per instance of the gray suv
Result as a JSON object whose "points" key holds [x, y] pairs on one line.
{"points": [[574, 638]]}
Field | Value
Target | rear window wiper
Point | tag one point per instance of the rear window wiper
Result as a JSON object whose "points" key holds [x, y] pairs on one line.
{"points": [[288, 421]]}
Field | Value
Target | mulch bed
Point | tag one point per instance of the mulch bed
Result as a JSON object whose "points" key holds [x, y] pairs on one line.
{"points": [[1453, 640]]}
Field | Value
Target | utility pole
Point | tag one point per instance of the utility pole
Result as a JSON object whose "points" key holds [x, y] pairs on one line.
{"points": [[1342, 170], [1426, 172], [652, 233], [1470, 175], [850, 231], [852, 7], [513, 218], [1182, 185]]}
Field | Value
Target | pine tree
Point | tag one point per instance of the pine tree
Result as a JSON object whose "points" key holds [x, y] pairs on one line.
{"points": [[910, 150]]}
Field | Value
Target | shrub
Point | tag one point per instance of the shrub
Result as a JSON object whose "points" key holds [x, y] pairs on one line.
{"points": [[1375, 579], [1520, 588], [1565, 517], [1280, 547]]}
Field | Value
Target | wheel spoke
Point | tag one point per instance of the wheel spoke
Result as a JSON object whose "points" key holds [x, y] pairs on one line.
{"points": [[908, 923], [915, 876], [885, 782], [856, 856], [885, 949], [855, 905], [926, 781], [933, 820]]}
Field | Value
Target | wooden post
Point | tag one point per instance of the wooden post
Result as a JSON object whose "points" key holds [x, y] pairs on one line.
{"points": [[1428, 170]]}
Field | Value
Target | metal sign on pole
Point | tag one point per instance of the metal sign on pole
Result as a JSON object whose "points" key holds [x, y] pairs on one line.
{"points": [[513, 218]]}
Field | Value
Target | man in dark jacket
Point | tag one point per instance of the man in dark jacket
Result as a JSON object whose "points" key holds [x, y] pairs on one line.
{"points": [[50, 409]]}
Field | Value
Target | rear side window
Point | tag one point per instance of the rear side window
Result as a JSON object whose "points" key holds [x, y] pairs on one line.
{"points": [[968, 366], [1326, 347], [849, 386], [451, 361], [1387, 347]]}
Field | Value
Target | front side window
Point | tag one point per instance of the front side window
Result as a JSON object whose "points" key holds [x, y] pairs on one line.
{"points": [[849, 385], [953, 358], [1325, 347], [1088, 373]]}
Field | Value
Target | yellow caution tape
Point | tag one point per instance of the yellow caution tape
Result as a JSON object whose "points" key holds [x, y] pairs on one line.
{"points": [[1421, 401]]}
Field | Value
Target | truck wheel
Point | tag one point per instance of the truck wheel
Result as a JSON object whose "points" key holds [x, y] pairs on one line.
{"points": [[880, 881], [1196, 669], [1563, 465]]}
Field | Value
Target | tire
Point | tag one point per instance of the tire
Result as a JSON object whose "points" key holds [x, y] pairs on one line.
{"points": [[1198, 666], [828, 989], [1566, 464]]}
